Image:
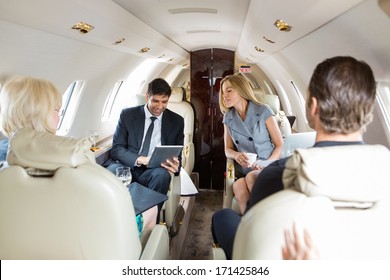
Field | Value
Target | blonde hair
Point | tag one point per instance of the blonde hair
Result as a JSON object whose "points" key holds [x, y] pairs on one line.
{"points": [[27, 102], [241, 85]]}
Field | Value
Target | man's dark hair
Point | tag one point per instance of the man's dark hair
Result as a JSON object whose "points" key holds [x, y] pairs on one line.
{"points": [[345, 91], [159, 87]]}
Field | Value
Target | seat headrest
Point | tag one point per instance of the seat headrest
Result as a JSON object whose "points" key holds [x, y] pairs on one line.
{"points": [[41, 150], [176, 95], [269, 99], [348, 173]]}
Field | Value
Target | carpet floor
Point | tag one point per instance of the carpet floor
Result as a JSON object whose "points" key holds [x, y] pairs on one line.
{"points": [[199, 240]]}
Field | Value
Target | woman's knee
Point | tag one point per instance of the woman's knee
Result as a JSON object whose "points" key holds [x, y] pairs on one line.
{"points": [[239, 187]]}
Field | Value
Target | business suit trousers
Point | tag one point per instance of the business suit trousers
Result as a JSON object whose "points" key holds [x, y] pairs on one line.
{"points": [[157, 179]]}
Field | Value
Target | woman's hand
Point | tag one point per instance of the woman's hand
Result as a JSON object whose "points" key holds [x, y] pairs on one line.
{"points": [[256, 166], [243, 160]]}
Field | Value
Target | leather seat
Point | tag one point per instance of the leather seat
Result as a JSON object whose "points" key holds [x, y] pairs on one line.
{"points": [[179, 105], [57, 203], [340, 195], [273, 102]]}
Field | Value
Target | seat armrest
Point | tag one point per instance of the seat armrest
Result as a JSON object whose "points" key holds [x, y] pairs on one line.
{"points": [[229, 201], [188, 157], [157, 246], [171, 205], [217, 254], [229, 180]]}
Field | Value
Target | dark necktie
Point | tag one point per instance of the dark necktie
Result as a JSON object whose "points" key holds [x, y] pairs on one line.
{"points": [[148, 137]]}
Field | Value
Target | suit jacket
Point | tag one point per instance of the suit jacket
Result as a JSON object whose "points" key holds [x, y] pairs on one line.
{"points": [[129, 133]]}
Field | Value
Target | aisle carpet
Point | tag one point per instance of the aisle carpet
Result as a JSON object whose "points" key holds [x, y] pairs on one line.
{"points": [[199, 240]]}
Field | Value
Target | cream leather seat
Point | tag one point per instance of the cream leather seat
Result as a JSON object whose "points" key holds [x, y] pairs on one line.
{"points": [[273, 102], [341, 195], [179, 105], [57, 203]]}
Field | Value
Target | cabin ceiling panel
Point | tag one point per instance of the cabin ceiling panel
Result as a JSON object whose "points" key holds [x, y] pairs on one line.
{"points": [[236, 25], [219, 29], [304, 16], [171, 28], [110, 22]]}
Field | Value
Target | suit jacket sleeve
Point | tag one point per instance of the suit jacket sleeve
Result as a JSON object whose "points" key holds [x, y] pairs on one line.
{"points": [[172, 131], [128, 135]]}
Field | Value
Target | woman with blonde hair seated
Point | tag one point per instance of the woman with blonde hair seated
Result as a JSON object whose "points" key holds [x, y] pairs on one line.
{"points": [[30, 103], [249, 127]]}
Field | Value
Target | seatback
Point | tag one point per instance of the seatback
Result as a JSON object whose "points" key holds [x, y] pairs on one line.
{"points": [[179, 105], [340, 194], [57, 203], [274, 103]]}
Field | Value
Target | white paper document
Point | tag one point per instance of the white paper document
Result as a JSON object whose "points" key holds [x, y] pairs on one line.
{"points": [[187, 186]]}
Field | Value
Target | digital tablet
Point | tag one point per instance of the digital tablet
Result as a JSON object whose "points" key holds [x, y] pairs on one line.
{"points": [[162, 153]]}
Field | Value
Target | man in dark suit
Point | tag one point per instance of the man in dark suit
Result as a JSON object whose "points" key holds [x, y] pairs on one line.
{"points": [[128, 143]]}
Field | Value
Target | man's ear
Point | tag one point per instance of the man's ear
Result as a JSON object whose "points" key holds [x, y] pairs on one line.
{"points": [[314, 106]]}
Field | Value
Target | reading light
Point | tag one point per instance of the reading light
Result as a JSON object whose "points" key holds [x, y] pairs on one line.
{"points": [[144, 50], [258, 49], [82, 27], [282, 26]]}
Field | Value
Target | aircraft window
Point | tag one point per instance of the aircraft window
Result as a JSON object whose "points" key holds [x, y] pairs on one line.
{"points": [[299, 94], [108, 105], [383, 98], [70, 102]]}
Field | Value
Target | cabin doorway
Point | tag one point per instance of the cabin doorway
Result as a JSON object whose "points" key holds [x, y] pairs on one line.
{"points": [[208, 67]]}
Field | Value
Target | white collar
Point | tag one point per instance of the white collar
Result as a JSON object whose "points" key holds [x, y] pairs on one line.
{"points": [[148, 114]]}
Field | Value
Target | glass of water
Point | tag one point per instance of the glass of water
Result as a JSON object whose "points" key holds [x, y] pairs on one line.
{"points": [[93, 136], [124, 174]]}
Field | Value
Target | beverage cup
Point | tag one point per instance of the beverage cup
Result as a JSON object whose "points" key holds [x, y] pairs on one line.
{"points": [[251, 158]]}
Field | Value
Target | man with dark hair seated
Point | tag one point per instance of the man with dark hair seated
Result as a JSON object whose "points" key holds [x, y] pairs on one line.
{"points": [[340, 102]]}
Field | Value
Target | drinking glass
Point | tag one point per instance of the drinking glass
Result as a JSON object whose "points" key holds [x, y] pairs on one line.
{"points": [[94, 136], [124, 174]]}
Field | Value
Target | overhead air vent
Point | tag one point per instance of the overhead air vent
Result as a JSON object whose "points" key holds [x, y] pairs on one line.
{"points": [[203, 31], [268, 40], [119, 41], [193, 10]]}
